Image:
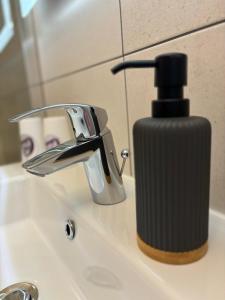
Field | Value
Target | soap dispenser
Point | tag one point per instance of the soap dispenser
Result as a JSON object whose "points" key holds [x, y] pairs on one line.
{"points": [[172, 168]]}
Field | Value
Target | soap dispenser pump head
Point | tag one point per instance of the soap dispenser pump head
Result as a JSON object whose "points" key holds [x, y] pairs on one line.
{"points": [[170, 77]]}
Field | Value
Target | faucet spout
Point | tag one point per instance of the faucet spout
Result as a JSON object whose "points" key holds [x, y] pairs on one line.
{"points": [[99, 158], [61, 156]]}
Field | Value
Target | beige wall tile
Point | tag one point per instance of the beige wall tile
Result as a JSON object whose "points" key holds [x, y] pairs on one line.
{"points": [[36, 94], [75, 34], [206, 90], [146, 22], [96, 86]]}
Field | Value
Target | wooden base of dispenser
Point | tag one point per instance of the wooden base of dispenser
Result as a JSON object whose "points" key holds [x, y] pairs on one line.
{"points": [[175, 258]]}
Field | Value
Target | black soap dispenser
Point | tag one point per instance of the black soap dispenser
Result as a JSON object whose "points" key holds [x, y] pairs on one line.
{"points": [[172, 168]]}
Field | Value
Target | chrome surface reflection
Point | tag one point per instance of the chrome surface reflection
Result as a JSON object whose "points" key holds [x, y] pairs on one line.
{"points": [[92, 144], [20, 291]]}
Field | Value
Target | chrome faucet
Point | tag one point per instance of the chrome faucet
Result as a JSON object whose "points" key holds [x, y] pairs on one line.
{"points": [[92, 144], [20, 291]]}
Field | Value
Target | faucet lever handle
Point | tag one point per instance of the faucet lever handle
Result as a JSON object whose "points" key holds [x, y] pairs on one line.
{"points": [[86, 120], [124, 154]]}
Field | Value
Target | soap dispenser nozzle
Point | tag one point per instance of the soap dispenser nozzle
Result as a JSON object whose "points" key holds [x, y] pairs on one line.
{"points": [[133, 64], [170, 78]]}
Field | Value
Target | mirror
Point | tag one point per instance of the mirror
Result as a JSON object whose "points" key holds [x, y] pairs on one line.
{"points": [[20, 87]]}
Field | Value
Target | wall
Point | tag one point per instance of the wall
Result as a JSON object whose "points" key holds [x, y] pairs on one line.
{"points": [[80, 40]]}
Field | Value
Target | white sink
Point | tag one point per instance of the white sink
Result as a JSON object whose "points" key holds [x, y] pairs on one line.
{"points": [[103, 262]]}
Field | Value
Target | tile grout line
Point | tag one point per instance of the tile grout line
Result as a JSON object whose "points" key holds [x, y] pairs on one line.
{"points": [[121, 28], [80, 70], [125, 84], [128, 53], [196, 30]]}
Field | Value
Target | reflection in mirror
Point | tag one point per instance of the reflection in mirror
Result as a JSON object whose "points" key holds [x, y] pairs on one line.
{"points": [[1, 18], [20, 84]]}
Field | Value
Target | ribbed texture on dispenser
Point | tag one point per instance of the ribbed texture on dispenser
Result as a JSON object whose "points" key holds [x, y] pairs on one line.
{"points": [[172, 171]]}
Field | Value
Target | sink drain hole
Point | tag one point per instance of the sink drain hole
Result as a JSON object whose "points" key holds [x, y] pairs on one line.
{"points": [[70, 229]]}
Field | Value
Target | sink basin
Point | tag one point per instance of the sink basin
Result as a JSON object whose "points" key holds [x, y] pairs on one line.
{"points": [[103, 260]]}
